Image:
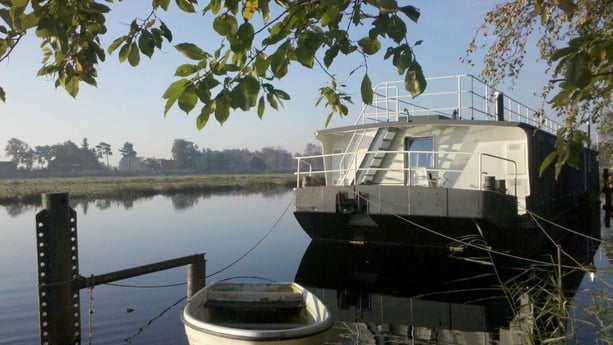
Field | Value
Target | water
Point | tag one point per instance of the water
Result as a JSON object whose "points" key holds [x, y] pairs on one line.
{"points": [[385, 294]]}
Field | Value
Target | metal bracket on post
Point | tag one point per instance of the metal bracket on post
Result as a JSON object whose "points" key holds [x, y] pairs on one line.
{"points": [[58, 270]]}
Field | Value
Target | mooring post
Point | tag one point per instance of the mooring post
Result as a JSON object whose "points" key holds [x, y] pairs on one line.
{"points": [[56, 236], [196, 273]]}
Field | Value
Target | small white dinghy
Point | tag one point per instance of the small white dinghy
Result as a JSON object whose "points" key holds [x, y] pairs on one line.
{"points": [[255, 313]]}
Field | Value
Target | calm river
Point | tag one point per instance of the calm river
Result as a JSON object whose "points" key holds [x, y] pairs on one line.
{"points": [[391, 295]]}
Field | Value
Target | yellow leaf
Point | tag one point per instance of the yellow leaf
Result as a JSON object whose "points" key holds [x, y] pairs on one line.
{"points": [[249, 9]]}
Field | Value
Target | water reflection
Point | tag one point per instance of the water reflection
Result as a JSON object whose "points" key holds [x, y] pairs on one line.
{"points": [[402, 294], [180, 201]]}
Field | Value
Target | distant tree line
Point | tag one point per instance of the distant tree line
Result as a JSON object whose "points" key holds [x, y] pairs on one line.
{"points": [[70, 158]]}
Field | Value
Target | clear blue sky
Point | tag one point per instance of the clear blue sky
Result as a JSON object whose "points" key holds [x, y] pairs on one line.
{"points": [[127, 104]]}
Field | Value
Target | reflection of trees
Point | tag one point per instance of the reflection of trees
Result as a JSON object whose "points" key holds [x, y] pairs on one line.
{"points": [[184, 201], [127, 203], [16, 209], [103, 203], [180, 201]]}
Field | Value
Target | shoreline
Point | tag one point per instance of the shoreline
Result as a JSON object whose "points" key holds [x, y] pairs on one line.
{"points": [[29, 190]]}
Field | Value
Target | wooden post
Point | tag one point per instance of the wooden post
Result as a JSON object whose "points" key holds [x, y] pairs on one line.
{"points": [[196, 273], [56, 235]]}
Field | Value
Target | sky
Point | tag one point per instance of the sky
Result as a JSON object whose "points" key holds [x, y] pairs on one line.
{"points": [[127, 104]]}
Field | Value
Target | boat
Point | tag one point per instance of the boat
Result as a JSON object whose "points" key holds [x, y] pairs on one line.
{"points": [[226, 312], [457, 164]]}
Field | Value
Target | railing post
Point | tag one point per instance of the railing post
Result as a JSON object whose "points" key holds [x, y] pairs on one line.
{"points": [[196, 273], [56, 235]]}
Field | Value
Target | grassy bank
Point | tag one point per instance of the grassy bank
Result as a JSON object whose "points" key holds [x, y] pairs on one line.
{"points": [[30, 190]]}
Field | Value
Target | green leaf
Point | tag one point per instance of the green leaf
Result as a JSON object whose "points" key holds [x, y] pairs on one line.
{"points": [[308, 44], [245, 95], [225, 24], [396, 29], [261, 106], [547, 162], [411, 12], [146, 43], [186, 6], [3, 47], [205, 114], [264, 9], [188, 99], [222, 107], [562, 52], [568, 6], [279, 62], [272, 101], [134, 55], [124, 51], [577, 70], [366, 90], [261, 65], [215, 6], [2, 95], [72, 86], [331, 16], [203, 91], [164, 4], [330, 55], [415, 81], [173, 92], [29, 21], [191, 51], [185, 70], [280, 94], [116, 44], [165, 31], [245, 34], [369, 46], [387, 6]]}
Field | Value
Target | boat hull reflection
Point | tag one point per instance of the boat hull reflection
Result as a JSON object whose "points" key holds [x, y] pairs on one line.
{"points": [[399, 294]]}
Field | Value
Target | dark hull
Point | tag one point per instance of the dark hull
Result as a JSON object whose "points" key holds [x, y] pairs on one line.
{"points": [[526, 235]]}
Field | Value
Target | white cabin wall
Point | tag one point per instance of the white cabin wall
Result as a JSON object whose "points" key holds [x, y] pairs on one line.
{"points": [[457, 156], [342, 151]]}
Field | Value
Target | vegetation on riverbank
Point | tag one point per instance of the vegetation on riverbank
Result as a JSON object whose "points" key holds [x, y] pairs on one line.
{"points": [[114, 187]]}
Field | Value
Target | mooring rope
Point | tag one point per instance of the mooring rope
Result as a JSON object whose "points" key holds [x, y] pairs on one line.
{"points": [[90, 312], [142, 328], [257, 243], [146, 286]]}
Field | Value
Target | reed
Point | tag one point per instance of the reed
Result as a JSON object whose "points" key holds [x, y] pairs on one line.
{"points": [[115, 187]]}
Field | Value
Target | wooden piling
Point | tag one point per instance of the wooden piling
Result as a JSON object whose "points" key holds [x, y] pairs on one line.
{"points": [[196, 273]]}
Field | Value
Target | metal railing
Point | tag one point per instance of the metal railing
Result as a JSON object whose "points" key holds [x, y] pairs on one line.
{"points": [[454, 96], [463, 164]]}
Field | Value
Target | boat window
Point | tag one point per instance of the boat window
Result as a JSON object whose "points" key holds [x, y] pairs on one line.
{"points": [[422, 148]]}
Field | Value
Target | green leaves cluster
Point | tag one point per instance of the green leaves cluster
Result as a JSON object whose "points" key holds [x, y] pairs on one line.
{"points": [[240, 74], [581, 88], [70, 34], [254, 53]]}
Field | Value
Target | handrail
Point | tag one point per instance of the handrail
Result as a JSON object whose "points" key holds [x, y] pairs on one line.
{"points": [[501, 158], [450, 94], [409, 168]]}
